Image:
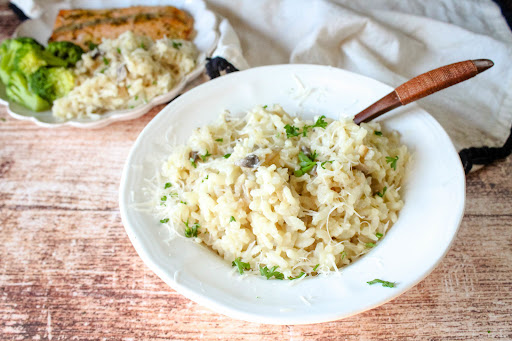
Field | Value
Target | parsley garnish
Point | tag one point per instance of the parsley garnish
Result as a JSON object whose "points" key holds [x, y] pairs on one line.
{"points": [[105, 60], [205, 155], [137, 97], [370, 244], [378, 133], [271, 273], [183, 202], [163, 221], [323, 163], [291, 131], [103, 70], [227, 156], [378, 235], [343, 254], [205, 178], [383, 192], [167, 185], [232, 219], [142, 46], [306, 163], [384, 283], [194, 164], [219, 140], [164, 198], [118, 50], [265, 106], [92, 45], [241, 265], [176, 45], [320, 123], [316, 267], [392, 161], [299, 276], [191, 231]]}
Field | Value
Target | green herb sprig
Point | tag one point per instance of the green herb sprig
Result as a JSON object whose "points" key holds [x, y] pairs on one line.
{"points": [[392, 161], [191, 231], [264, 271], [241, 265], [384, 283], [306, 163], [383, 192]]}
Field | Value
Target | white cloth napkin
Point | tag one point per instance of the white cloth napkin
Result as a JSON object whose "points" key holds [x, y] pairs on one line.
{"points": [[389, 40]]}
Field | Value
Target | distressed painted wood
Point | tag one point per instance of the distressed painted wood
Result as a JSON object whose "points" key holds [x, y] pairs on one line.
{"points": [[69, 272]]}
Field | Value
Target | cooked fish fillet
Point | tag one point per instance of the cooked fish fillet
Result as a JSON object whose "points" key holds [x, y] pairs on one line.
{"points": [[86, 26]]}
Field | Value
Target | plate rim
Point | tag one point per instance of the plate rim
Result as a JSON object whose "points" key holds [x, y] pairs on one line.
{"points": [[216, 306]]}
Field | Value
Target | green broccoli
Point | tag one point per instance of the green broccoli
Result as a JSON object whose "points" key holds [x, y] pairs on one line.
{"points": [[28, 41], [30, 58], [52, 82], [17, 90], [66, 51], [8, 51]]}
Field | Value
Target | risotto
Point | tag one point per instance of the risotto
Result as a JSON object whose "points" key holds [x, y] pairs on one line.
{"points": [[125, 72], [283, 197]]}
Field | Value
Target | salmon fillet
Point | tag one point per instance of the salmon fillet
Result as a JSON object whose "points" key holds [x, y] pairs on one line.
{"points": [[85, 26]]}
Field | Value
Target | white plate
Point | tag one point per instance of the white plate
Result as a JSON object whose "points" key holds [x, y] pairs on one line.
{"points": [[205, 25], [434, 195]]}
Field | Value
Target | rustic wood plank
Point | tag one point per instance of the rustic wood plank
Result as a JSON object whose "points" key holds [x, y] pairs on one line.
{"points": [[68, 270]]}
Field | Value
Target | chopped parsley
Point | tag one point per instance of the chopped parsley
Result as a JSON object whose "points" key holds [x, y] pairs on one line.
{"points": [[163, 221], [370, 244], [183, 202], [306, 163], [103, 70], [142, 46], [164, 198], [384, 283], [219, 140], [241, 265], [271, 273], [378, 133], [118, 50], [176, 45], [167, 185], [379, 235], [205, 178], [323, 163], [299, 276], [191, 231], [291, 131], [316, 267], [392, 161], [265, 106], [92, 45], [227, 156], [343, 254], [383, 192], [320, 123], [205, 155], [105, 60], [232, 219], [194, 164]]}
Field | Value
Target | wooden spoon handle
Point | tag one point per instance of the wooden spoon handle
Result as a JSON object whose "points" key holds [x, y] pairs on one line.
{"points": [[424, 85]]}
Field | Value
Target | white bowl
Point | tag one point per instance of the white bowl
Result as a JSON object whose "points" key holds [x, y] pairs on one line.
{"points": [[434, 193], [205, 25]]}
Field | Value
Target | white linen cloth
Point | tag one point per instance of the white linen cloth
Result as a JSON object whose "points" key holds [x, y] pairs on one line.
{"points": [[389, 40]]}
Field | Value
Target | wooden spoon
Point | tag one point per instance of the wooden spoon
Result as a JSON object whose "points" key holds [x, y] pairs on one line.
{"points": [[424, 85]]}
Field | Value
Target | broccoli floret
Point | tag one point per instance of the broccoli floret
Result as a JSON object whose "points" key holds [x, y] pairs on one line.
{"points": [[30, 58], [17, 90], [8, 51], [52, 82], [28, 41], [66, 51]]}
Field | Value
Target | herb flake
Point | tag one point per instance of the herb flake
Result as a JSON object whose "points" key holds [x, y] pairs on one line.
{"points": [[383, 192], [392, 161], [370, 244], [264, 271], [163, 221], [241, 265], [232, 219], [227, 156], [219, 140], [299, 276], [379, 235], [167, 185], [378, 133], [384, 283], [191, 231]]}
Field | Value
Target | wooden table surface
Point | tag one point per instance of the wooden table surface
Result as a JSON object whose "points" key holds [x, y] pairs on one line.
{"points": [[69, 272]]}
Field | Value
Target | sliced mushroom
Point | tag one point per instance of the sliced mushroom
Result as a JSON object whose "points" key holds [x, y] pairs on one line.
{"points": [[250, 161], [121, 73], [306, 150], [194, 156]]}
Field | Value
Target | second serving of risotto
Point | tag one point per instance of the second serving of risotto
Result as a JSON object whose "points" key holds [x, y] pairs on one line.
{"points": [[282, 197]]}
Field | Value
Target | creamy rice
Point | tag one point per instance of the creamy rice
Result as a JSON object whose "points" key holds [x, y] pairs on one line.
{"points": [[125, 72], [270, 215]]}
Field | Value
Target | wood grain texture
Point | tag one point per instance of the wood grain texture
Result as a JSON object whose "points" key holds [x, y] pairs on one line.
{"points": [[69, 272]]}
